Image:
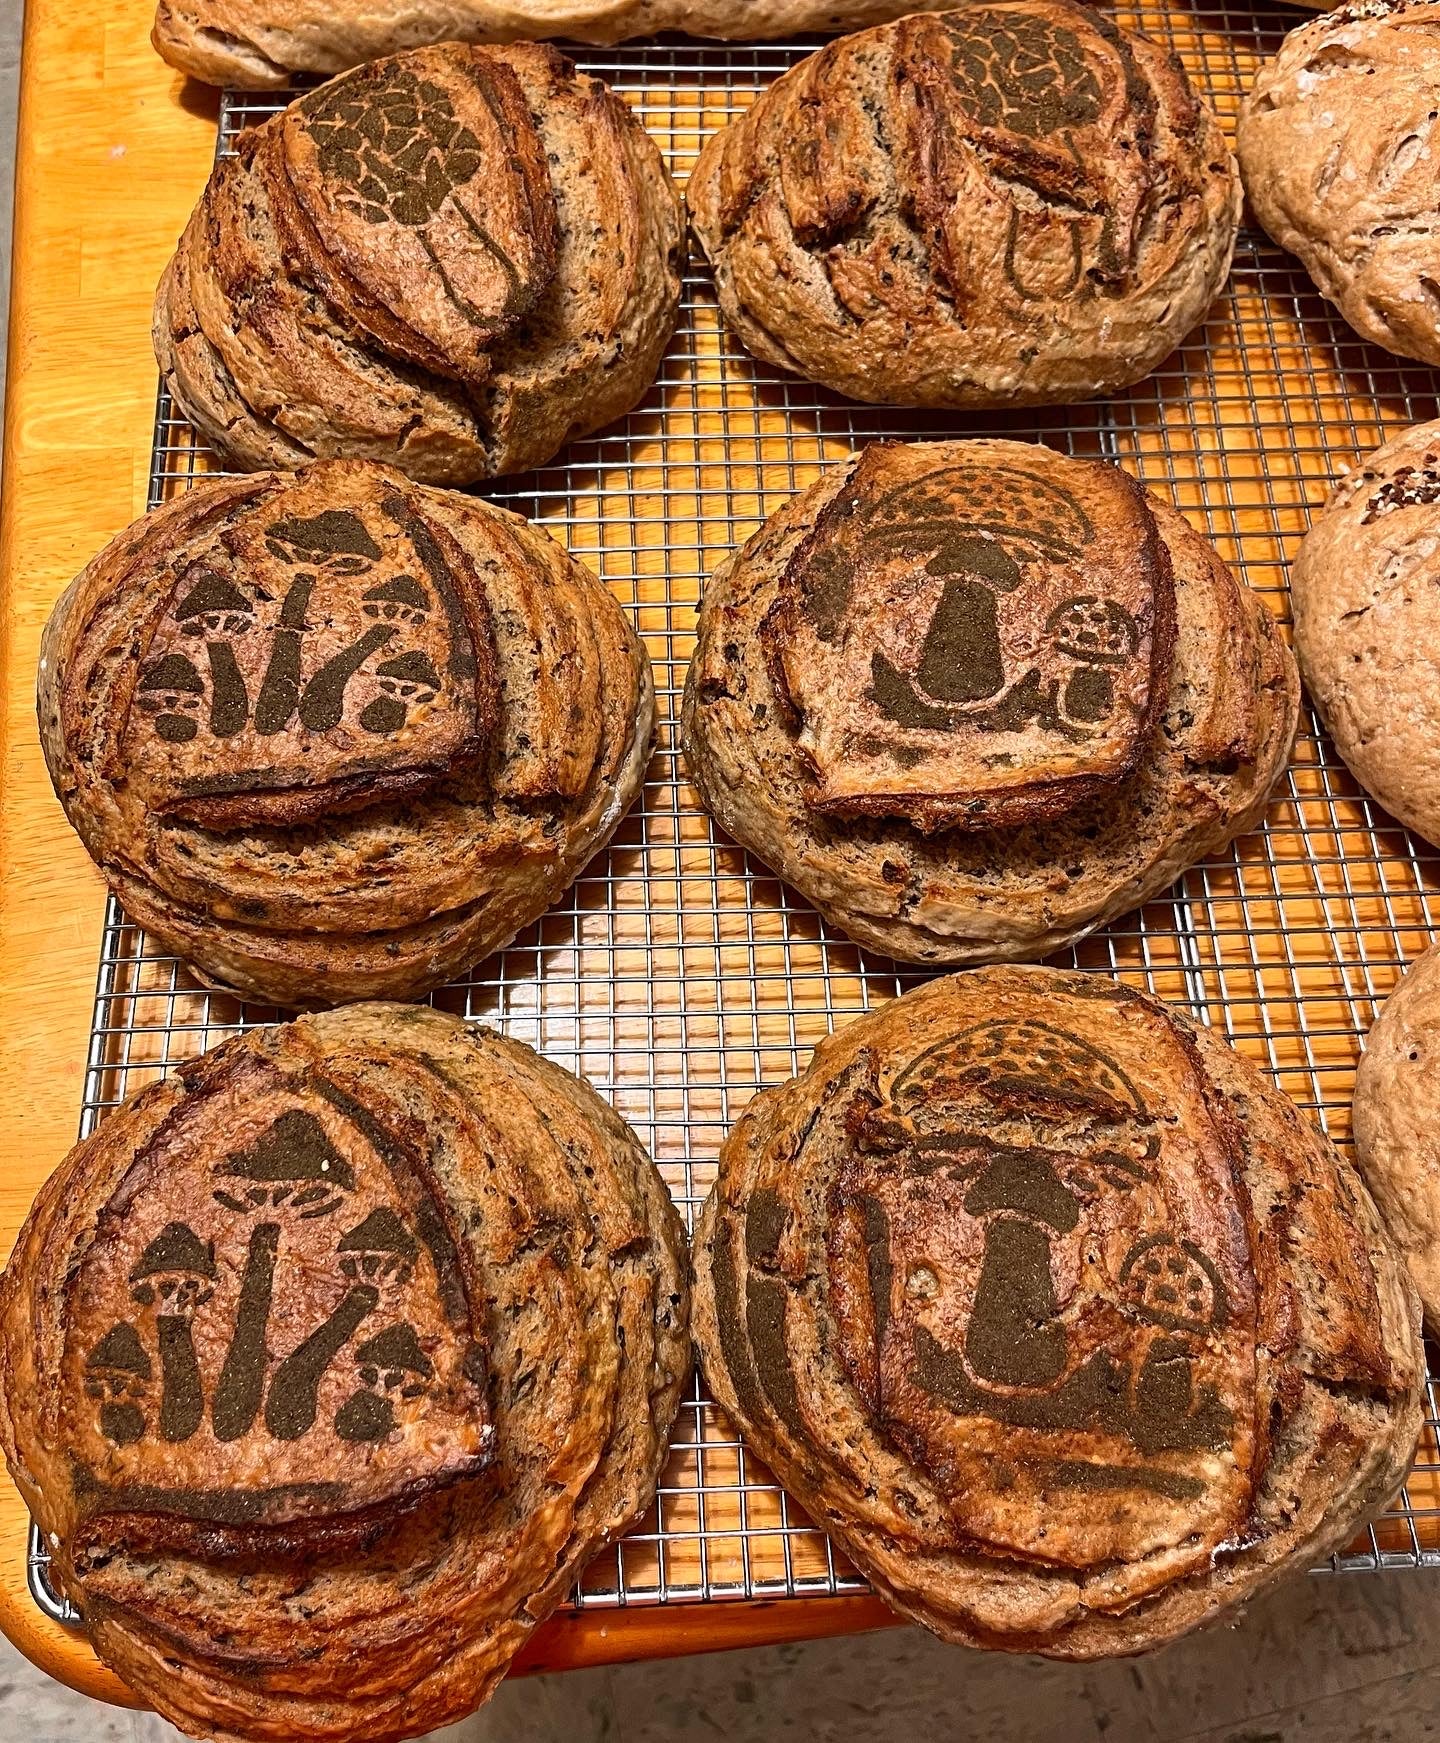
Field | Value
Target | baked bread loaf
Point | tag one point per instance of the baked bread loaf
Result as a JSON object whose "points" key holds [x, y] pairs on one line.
{"points": [[1397, 1123], [1017, 203], [326, 1364], [453, 260], [974, 699], [256, 45], [1336, 144], [1055, 1314], [332, 735], [1366, 618]]}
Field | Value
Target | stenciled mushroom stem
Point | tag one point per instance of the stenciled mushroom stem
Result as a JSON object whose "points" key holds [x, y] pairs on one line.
{"points": [[182, 1398], [290, 1409], [242, 1379]]}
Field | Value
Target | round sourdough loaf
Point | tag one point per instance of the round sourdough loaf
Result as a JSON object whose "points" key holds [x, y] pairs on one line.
{"points": [[1018, 203], [1056, 1314], [1367, 623], [453, 260], [258, 44], [1337, 143], [331, 735], [1397, 1122], [974, 699], [327, 1363]]}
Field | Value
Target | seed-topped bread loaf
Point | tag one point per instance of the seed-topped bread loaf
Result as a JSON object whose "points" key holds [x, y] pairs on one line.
{"points": [[1055, 1314], [1017, 203], [332, 735], [327, 1363], [974, 699], [453, 260], [1336, 143], [257, 44]]}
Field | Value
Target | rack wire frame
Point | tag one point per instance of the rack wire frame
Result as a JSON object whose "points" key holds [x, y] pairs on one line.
{"points": [[679, 976]]}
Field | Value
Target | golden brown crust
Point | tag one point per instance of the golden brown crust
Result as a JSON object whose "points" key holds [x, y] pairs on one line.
{"points": [[333, 735], [405, 251], [1015, 203], [1057, 1314], [328, 1362], [1336, 145], [975, 698]]}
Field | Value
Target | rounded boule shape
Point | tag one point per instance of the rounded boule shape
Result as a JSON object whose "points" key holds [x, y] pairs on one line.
{"points": [[1069, 1328], [1016, 203], [327, 1362], [332, 735]]}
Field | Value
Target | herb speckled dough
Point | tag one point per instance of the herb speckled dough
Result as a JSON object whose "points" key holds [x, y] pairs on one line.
{"points": [[1367, 624], [1337, 145], [1397, 1119]]}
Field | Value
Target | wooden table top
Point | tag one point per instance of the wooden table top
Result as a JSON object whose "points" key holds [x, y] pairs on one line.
{"points": [[113, 149]]}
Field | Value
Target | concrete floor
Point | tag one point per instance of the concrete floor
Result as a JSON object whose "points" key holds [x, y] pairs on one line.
{"points": [[1351, 1659]]}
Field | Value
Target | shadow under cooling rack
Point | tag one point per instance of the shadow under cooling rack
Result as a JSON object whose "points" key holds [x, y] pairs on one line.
{"points": [[679, 976]]}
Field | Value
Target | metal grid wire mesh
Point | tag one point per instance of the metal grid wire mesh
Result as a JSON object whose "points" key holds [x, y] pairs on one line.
{"points": [[679, 976]]}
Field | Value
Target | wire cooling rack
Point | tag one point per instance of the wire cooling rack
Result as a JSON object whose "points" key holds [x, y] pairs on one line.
{"points": [[679, 976]]}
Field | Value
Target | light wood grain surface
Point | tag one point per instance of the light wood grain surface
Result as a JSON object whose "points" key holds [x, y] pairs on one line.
{"points": [[113, 149]]}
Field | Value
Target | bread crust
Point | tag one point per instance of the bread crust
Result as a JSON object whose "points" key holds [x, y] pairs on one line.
{"points": [[1364, 616], [258, 44], [931, 1292], [1016, 203], [313, 1480], [1336, 143], [332, 735], [1395, 1123], [493, 274], [988, 867]]}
